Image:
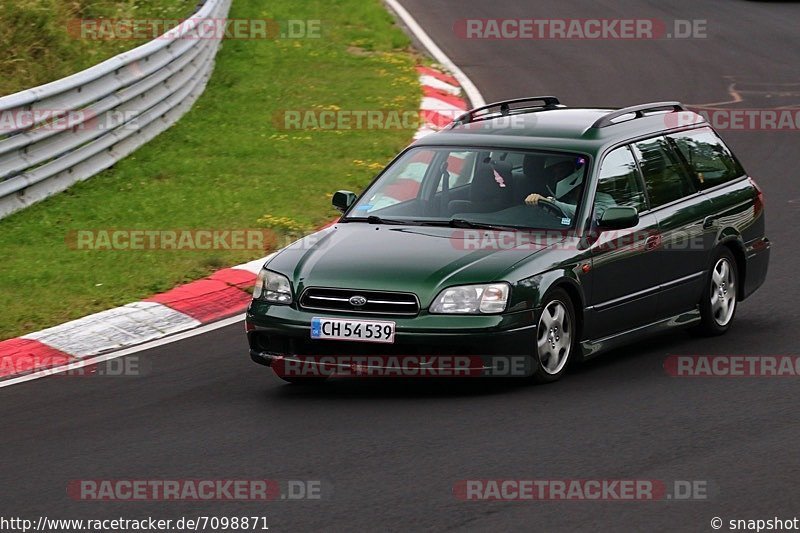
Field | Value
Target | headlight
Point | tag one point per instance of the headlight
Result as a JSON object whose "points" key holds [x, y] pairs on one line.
{"points": [[489, 298], [273, 287]]}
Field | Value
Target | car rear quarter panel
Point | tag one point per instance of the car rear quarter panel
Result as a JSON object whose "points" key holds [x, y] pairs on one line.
{"points": [[739, 227]]}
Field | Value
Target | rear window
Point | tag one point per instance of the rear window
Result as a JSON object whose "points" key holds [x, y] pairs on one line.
{"points": [[707, 156]]}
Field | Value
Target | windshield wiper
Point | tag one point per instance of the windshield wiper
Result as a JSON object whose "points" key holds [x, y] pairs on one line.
{"points": [[464, 223], [374, 219], [453, 223]]}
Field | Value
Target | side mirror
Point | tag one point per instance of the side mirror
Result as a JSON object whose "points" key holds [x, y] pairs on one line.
{"points": [[342, 200], [618, 217]]}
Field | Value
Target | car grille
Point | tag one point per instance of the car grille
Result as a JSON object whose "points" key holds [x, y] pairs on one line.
{"points": [[377, 302]]}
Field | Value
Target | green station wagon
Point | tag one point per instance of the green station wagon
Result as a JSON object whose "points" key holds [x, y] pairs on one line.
{"points": [[526, 230]]}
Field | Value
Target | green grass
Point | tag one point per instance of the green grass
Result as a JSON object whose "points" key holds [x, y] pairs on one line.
{"points": [[224, 165], [37, 48]]}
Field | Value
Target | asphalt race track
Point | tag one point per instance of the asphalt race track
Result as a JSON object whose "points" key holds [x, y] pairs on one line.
{"points": [[389, 452]]}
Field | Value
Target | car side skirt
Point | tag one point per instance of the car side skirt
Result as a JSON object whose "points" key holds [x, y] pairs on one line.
{"points": [[593, 348]]}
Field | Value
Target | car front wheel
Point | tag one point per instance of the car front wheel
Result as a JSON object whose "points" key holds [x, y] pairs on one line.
{"points": [[555, 337]]}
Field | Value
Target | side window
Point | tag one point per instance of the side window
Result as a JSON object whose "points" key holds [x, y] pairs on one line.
{"points": [[618, 183], [401, 183], [665, 177], [709, 159], [461, 167]]}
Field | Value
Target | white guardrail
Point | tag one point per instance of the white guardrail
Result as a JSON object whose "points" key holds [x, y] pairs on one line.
{"points": [[77, 126]]}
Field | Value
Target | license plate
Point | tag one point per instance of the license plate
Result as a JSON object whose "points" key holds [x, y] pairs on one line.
{"points": [[352, 330]]}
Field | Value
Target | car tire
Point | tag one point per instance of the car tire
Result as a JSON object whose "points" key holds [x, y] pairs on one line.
{"points": [[556, 338], [720, 297]]}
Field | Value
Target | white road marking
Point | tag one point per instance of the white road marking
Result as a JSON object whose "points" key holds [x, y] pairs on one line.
{"points": [[436, 83], [116, 328], [122, 353]]}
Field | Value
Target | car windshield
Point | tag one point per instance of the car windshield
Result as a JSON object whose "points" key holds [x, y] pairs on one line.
{"points": [[476, 187]]}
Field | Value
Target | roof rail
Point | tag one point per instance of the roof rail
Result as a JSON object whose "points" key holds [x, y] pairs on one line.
{"points": [[547, 102], [638, 110]]}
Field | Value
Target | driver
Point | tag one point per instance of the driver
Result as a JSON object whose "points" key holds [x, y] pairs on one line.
{"points": [[568, 176]]}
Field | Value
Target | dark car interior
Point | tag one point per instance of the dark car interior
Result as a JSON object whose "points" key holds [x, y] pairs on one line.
{"points": [[487, 187]]}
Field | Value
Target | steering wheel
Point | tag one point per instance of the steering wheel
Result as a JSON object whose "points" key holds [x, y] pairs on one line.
{"points": [[552, 207]]}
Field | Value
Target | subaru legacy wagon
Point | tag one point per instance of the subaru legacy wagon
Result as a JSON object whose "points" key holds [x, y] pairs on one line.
{"points": [[528, 229]]}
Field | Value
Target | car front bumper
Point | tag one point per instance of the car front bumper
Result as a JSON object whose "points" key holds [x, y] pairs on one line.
{"points": [[439, 344]]}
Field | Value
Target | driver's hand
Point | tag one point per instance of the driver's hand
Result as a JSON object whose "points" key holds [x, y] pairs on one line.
{"points": [[534, 198]]}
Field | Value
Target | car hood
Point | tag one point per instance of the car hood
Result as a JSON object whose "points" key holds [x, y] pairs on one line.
{"points": [[417, 259]]}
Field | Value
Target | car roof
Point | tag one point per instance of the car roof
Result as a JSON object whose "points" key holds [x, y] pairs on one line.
{"points": [[560, 128]]}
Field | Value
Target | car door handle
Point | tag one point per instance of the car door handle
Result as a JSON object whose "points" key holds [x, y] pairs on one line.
{"points": [[652, 242]]}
